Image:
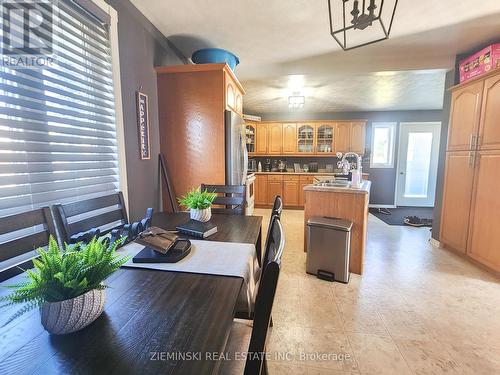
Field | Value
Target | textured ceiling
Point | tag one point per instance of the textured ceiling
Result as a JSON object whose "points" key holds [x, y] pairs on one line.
{"points": [[349, 92], [276, 38]]}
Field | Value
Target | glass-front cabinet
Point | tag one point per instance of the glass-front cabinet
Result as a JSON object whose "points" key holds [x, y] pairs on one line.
{"points": [[250, 137], [305, 139], [325, 138]]}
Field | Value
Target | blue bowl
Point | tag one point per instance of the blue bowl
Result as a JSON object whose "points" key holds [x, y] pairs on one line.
{"points": [[215, 55]]}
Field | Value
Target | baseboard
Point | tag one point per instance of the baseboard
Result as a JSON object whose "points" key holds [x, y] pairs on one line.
{"points": [[435, 242], [381, 206]]}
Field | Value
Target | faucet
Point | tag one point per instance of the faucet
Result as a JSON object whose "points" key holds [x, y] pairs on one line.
{"points": [[344, 164]]}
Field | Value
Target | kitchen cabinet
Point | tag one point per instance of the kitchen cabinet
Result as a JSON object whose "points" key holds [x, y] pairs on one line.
{"points": [[275, 138], [289, 138], [234, 96], [274, 187], [457, 196], [469, 216], [350, 136], [303, 181], [357, 137], [464, 117], [291, 191], [261, 138], [250, 132], [343, 137], [260, 189], [489, 128], [485, 234], [325, 139], [305, 139], [191, 104]]}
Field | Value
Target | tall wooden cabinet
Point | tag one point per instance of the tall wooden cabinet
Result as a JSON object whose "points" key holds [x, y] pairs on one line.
{"points": [[191, 104], [470, 219], [274, 138]]}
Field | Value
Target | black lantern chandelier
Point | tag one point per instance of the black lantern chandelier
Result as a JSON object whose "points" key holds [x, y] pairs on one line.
{"points": [[357, 23]]}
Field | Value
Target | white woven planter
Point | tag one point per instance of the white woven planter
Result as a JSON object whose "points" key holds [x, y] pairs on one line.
{"points": [[201, 215], [73, 314]]}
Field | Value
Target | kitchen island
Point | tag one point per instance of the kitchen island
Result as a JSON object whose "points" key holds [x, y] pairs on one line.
{"points": [[344, 202]]}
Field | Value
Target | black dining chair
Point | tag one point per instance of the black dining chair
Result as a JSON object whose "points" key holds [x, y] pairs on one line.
{"points": [[277, 206], [33, 230], [231, 199], [251, 338], [77, 220]]}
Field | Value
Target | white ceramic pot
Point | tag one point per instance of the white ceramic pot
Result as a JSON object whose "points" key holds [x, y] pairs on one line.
{"points": [[73, 314], [201, 215]]}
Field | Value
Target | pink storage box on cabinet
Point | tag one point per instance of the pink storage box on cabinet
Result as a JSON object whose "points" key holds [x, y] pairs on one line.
{"points": [[479, 63]]}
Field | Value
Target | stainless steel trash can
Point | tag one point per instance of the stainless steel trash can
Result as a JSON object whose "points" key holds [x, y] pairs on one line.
{"points": [[328, 248]]}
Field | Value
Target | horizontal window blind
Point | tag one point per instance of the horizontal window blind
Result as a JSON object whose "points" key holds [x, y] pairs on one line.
{"points": [[57, 124]]}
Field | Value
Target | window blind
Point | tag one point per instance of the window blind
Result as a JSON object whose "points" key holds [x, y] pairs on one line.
{"points": [[57, 124]]}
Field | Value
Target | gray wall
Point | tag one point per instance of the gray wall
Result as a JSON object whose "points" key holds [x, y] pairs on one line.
{"points": [[436, 222], [142, 47], [383, 179]]}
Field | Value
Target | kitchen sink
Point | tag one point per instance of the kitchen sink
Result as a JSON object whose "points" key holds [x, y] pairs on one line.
{"points": [[334, 183]]}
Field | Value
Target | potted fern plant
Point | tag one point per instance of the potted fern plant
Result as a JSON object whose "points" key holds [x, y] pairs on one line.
{"points": [[199, 203], [67, 284]]}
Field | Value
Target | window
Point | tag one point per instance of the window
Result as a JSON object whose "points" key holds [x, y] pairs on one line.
{"points": [[58, 138], [382, 152]]}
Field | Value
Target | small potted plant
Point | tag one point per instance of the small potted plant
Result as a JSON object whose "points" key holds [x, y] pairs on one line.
{"points": [[199, 203], [67, 284]]}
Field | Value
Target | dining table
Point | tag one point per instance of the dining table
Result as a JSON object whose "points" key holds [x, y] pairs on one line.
{"points": [[153, 322]]}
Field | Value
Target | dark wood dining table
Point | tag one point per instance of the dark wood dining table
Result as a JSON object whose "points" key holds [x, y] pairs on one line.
{"points": [[154, 321]]}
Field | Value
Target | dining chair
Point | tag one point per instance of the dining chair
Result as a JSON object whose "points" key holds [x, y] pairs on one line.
{"points": [[96, 215], [231, 197], [251, 338], [277, 206], [20, 234]]}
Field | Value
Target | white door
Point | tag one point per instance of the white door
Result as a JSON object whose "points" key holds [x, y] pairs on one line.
{"points": [[417, 163]]}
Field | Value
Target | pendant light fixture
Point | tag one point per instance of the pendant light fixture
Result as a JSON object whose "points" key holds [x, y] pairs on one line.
{"points": [[357, 23]]}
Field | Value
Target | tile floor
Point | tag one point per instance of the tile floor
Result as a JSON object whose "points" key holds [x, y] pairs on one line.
{"points": [[416, 310]]}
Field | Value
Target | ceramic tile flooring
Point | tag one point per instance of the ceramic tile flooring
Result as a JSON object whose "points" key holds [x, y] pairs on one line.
{"points": [[416, 310]]}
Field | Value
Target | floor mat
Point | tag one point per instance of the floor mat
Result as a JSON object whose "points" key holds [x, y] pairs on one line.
{"points": [[398, 214]]}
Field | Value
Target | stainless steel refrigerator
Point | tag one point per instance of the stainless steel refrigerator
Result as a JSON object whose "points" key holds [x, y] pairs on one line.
{"points": [[236, 149]]}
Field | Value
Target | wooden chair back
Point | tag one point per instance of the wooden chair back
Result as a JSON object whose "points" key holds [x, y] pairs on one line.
{"points": [[38, 225], [277, 206], [256, 363], [69, 221], [231, 199]]}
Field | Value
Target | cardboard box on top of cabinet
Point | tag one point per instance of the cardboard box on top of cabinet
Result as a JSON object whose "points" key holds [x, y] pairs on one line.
{"points": [[479, 63]]}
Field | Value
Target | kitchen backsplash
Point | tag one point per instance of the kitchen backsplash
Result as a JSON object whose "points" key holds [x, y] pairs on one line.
{"points": [[290, 161]]}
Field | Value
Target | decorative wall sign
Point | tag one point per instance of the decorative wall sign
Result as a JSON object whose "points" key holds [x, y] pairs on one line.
{"points": [[143, 125]]}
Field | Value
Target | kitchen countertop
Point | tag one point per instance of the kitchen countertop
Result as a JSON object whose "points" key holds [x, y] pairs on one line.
{"points": [[305, 173], [364, 189]]}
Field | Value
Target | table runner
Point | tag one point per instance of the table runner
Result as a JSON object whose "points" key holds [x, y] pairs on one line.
{"points": [[211, 258]]}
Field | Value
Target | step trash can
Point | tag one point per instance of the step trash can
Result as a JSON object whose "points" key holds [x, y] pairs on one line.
{"points": [[328, 248]]}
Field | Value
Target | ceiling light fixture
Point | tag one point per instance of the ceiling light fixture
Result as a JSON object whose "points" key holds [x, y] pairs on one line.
{"points": [[357, 23], [296, 101]]}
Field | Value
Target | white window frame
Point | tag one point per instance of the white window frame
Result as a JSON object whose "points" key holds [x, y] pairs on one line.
{"points": [[392, 144], [120, 128]]}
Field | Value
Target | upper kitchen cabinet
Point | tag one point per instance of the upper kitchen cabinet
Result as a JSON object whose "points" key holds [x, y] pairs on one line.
{"points": [[350, 136], [464, 117], [261, 138], [358, 134], [289, 138], [343, 137], [274, 138], [305, 138], [325, 133], [489, 128], [234, 92], [250, 131]]}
